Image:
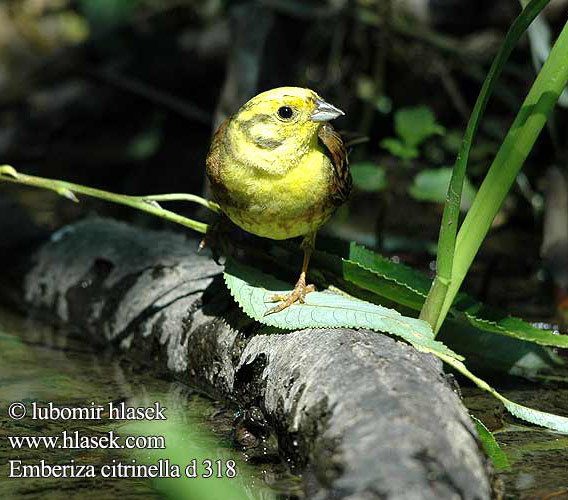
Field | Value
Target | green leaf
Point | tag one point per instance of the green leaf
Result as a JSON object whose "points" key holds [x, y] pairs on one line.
{"points": [[399, 149], [544, 419], [365, 88], [328, 310], [368, 177], [415, 125], [491, 446], [383, 104], [406, 286], [518, 348], [493, 321], [518, 142], [403, 275], [323, 310], [493, 354], [540, 36], [108, 13], [146, 144], [432, 185], [381, 285]]}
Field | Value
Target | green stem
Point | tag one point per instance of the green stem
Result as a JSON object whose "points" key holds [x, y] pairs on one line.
{"points": [[145, 203], [433, 305], [512, 154], [211, 205]]}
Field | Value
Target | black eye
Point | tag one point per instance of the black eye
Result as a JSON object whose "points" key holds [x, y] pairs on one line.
{"points": [[285, 112]]}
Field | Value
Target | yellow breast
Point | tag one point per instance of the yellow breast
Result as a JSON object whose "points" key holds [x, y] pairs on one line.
{"points": [[279, 206]]}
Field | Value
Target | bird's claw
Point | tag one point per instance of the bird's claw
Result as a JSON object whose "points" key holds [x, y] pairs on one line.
{"points": [[297, 295]]}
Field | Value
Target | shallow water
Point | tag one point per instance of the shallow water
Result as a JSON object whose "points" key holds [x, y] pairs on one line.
{"points": [[39, 364], [538, 457]]}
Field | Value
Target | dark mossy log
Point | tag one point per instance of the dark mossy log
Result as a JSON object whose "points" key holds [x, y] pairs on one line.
{"points": [[368, 416]]}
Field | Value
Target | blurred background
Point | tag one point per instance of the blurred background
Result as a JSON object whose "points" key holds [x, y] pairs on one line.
{"points": [[124, 95]]}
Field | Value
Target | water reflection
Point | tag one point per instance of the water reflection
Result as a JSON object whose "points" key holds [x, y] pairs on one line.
{"points": [[39, 364]]}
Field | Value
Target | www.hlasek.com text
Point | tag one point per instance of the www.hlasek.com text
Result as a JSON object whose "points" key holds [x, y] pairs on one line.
{"points": [[77, 441]]}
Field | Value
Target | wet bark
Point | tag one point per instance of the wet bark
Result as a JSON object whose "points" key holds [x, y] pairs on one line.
{"points": [[371, 417]]}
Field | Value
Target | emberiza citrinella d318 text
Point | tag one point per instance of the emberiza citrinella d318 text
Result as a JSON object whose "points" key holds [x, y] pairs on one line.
{"points": [[279, 170]]}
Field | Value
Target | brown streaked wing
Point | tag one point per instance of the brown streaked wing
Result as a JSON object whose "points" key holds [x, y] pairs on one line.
{"points": [[341, 181], [213, 164]]}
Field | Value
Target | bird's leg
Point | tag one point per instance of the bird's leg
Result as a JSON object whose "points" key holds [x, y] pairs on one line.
{"points": [[301, 289], [217, 238]]}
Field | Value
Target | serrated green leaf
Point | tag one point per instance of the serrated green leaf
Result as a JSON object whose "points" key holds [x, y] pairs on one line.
{"points": [[415, 125], [488, 353], [253, 290], [544, 419], [491, 446], [403, 275], [519, 329], [381, 285], [371, 271], [326, 310], [378, 274], [490, 320], [368, 177]]}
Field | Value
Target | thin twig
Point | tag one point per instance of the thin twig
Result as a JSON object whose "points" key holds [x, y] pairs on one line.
{"points": [[555, 494], [145, 203], [211, 205]]}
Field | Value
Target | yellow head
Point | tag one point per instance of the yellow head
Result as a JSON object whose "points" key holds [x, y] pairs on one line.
{"points": [[273, 130]]}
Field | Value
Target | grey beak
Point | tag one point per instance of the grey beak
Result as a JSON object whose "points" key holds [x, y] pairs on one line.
{"points": [[325, 112]]}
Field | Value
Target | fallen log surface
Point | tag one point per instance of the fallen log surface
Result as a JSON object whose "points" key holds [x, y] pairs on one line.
{"points": [[372, 417]]}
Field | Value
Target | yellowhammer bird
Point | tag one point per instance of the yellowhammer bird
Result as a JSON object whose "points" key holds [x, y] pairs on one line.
{"points": [[279, 170]]}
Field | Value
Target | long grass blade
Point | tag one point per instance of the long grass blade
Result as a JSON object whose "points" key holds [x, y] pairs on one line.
{"points": [[449, 227]]}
